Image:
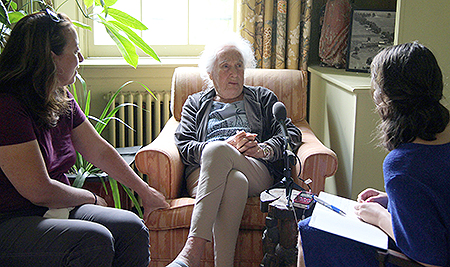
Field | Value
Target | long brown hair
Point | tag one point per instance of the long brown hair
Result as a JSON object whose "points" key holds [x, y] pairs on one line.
{"points": [[27, 69], [407, 86]]}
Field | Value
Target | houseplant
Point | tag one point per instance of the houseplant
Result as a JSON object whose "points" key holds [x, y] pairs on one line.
{"points": [[118, 24], [82, 168]]}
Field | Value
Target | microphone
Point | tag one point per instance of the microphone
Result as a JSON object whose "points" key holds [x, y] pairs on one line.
{"points": [[279, 112]]}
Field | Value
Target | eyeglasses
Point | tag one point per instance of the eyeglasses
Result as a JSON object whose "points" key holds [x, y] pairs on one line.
{"points": [[52, 14]]}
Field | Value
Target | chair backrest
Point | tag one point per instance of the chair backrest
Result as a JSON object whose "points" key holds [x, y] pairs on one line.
{"points": [[289, 85]]}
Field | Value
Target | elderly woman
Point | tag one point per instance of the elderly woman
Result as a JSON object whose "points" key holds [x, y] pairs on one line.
{"points": [[414, 211], [229, 140], [41, 129]]}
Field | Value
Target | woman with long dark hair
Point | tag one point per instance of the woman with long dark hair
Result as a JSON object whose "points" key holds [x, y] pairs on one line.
{"points": [[407, 89], [41, 129]]}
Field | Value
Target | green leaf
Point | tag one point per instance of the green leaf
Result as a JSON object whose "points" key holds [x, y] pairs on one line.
{"points": [[104, 185], [74, 92], [148, 90], [115, 192], [88, 3], [100, 3], [80, 178], [125, 46], [86, 95], [111, 100], [110, 2], [88, 103], [83, 83], [4, 15], [15, 16], [100, 126], [81, 25], [86, 92], [12, 5], [136, 39], [96, 119], [80, 163], [107, 115], [126, 19], [136, 203]]}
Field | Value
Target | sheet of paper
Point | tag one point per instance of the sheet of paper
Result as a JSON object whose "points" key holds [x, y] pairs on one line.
{"points": [[348, 226]]}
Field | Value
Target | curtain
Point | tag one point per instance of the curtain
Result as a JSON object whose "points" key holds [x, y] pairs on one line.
{"points": [[279, 31]]}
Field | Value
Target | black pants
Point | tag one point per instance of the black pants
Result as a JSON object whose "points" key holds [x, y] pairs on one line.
{"points": [[92, 236]]}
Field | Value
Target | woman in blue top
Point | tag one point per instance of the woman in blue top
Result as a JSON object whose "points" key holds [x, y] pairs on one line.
{"points": [[407, 89]]}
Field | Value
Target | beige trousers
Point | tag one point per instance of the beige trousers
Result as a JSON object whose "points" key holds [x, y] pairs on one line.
{"points": [[221, 187]]}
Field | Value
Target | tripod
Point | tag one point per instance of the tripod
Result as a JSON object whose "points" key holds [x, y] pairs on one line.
{"points": [[286, 182]]}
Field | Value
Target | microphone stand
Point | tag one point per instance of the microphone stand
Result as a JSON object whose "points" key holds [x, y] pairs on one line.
{"points": [[286, 182]]}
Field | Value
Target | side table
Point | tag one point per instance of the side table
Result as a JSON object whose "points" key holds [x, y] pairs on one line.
{"points": [[281, 233]]}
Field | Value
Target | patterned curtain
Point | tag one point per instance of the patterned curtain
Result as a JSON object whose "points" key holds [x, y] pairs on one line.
{"points": [[279, 31]]}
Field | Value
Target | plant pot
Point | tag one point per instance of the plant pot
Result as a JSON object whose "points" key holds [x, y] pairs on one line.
{"points": [[94, 184]]}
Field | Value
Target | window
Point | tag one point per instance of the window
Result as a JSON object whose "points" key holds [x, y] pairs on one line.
{"points": [[176, 27]]}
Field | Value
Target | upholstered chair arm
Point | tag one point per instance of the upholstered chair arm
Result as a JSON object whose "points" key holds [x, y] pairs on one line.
{"points": [[161, 162], [318, 162]]}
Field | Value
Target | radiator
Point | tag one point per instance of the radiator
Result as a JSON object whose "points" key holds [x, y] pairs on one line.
{"points": [[146, 120]]}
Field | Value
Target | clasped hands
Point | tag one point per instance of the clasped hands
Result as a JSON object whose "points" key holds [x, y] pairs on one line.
{"points": [[246, 144]]}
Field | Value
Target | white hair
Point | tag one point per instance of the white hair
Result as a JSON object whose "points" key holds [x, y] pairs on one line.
{"points": [[209, 55]]}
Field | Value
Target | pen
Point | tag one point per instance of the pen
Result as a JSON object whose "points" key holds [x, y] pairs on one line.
{"points": [[331, 207]]}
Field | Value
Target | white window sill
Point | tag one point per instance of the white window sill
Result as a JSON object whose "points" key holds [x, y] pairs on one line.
{"points": [[143, 61]]}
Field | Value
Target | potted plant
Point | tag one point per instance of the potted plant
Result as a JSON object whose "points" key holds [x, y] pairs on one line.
{"points": [[84, 169]]}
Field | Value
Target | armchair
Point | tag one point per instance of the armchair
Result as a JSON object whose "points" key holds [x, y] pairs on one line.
{"points": [[161, 161]]}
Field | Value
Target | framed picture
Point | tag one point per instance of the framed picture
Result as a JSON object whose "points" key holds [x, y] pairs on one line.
{"points": [[370, 31]]}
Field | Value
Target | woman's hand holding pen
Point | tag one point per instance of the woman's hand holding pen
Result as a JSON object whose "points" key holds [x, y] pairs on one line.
{"points": [[372, 205], [372, 208], [373, 195]]}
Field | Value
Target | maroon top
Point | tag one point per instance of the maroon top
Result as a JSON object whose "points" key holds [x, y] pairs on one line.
{"points": [[17, 126]]}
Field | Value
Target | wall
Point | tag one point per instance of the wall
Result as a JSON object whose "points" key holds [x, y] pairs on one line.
{"points": [[429, 23]]}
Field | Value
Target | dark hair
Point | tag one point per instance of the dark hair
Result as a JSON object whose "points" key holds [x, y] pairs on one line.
{"points": [[27, 69], [407, 86]]}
